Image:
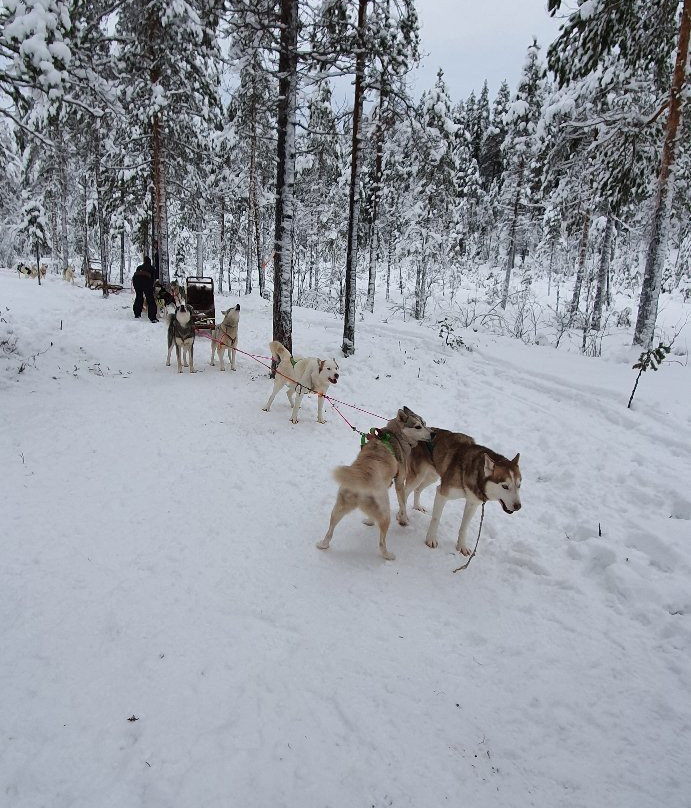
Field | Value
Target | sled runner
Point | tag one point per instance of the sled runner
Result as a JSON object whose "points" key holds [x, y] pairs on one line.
{"points": [[200, 298]]}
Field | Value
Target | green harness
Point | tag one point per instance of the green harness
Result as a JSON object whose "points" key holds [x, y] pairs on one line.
{"points": [[384, 437]]}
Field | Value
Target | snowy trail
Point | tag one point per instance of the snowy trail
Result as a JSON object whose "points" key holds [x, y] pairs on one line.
{"points": [[159, 561]]}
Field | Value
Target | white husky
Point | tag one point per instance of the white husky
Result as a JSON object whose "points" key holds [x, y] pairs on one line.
{"points": [[301, 375]]}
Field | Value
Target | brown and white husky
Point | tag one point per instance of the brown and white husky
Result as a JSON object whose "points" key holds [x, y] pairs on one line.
{"points": [[465, 471], [365, 483]]}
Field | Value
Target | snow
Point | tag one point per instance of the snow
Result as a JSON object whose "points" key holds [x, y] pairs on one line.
{"points": [[158, 562]]}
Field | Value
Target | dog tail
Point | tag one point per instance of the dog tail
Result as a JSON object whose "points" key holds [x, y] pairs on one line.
{"points": [[278, 351], [353, 479]]}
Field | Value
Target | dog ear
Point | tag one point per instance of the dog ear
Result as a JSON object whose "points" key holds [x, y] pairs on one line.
{"points": [[489, 465], [403, 414], [321, 364], [514, 462], [237, 308], [224, 312]]}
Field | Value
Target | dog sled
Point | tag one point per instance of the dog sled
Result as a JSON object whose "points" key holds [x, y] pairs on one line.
{"points": [[200, 298]]}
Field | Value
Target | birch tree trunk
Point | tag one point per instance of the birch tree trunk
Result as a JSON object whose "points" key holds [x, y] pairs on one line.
{"points": [[652, 277], [603, 273], [85, 225], [285, 175], [582, 254], [200, 245], [348, 346]]}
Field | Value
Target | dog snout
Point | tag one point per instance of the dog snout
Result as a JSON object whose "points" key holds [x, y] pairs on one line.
{"points": [[517, 506]]}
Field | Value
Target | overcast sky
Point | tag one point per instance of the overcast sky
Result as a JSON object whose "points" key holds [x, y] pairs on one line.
{"points": [[474, 40]]}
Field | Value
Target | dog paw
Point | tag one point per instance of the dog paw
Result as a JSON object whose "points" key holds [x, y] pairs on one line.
{"points": [[321, 420], [233, 368], [222, 368], [402, 519], [463, 550], [419, 508], [389, 556], [432, 543], [265, 409], [167, 364], [322, 545], [294, 421]]}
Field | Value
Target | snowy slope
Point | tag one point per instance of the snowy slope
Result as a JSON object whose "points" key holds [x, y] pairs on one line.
{"points": [[158, 561]]}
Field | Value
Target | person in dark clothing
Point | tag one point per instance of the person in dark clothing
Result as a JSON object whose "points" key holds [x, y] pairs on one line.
{"points": [[143, 284]]}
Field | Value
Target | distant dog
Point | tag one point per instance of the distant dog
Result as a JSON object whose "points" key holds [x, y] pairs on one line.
{"points": [[181, 334], [365, 483], [93, 279], [68, 274], [301, 375], [178, 292], [225, 337], [468, 471], [24, 270], [163, 298]]}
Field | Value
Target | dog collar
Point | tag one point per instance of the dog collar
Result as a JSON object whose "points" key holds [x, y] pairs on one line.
{"points": [[293, 362]]}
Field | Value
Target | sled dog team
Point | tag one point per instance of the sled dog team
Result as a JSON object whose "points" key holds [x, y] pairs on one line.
{"points": [[406, 452]]}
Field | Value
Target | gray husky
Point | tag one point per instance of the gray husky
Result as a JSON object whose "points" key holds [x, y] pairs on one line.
{"points": [[365, 483], [225, 337], [181, 334]]}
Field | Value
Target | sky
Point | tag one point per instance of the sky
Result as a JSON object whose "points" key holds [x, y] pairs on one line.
{"points": [[473, 41]]}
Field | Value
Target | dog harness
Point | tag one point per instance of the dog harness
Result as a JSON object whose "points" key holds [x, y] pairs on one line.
{"points": [[377, 434]]}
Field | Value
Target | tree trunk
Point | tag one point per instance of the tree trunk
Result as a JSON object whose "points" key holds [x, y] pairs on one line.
{"points": [[652, 278], [248, 250], [582, 254], [160, 208], [511, 257], [38, 262], [101, 218], [376, 188], [55, 249], [221, 245], [85, 225], [200, 245], [389, 260], [603, 273], [348, 346], [64, 244], [285, 175]]}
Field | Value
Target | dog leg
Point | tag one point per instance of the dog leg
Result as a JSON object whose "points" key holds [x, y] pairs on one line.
{"points": [[383, 520], [296, 408], [439, 502], [190, 354], [422, 482], [278, 383], [178, 351], [170, 350], [320, 409], [471, 505], [402, 515], [340, 509], [221, 352], [232, 359], [213, 353]]}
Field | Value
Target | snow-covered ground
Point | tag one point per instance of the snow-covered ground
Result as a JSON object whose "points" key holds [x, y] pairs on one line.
{"points": [[158, 562]]}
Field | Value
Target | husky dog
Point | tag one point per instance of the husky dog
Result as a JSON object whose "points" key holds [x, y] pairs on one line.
{"points": [[301, 375], [468, 471], [365, 483], [178, 292], [181, 334], [23, 269], [225, 337], [68, 274], [94, 279]]}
